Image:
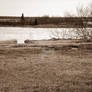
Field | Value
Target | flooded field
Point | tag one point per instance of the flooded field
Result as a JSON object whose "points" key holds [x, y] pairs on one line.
{"points": [[21, 34]]}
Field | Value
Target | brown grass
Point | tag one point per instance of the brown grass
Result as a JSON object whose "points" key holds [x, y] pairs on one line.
{"points": [[38, 69]]}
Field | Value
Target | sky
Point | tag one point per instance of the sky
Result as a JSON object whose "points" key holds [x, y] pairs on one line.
{"points": [[39, 7]]}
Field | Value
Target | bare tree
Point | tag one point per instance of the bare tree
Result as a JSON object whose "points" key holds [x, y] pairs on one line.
{"points": [[58, 33], [22, 17], [84, 32]]}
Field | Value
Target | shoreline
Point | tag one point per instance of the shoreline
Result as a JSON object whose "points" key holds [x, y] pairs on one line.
{"points": [[41, 26]]}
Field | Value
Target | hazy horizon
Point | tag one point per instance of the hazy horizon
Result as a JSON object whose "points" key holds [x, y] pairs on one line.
{"points": [[39, 7]]}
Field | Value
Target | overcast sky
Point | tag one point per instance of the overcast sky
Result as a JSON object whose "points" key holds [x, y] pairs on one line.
{"points": [[39, 7]]}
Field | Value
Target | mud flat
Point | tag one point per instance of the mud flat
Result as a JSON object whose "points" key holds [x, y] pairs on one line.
{"points": [[34, 68]]}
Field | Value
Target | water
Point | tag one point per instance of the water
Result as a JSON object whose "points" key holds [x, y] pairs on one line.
{"points": [[21, 34]]}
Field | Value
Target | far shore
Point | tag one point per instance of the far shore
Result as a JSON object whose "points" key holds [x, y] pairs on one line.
{"points": [[43, 26], [45, 22]]}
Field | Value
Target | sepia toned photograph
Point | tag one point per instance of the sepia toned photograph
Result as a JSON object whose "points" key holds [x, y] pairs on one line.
{"points": [[45, 45]]}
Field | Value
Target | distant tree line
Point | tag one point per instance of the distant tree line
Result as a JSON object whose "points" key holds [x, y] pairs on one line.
{"points": [[63, 21]]}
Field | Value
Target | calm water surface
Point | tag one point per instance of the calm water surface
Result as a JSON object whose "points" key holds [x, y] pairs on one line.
{"points": [[21, 34]]}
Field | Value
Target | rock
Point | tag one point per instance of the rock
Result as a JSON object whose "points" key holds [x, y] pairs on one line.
{"points": [[28, 41]]}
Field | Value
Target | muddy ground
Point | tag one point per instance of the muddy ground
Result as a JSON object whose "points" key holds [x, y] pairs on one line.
{"points": [[39, 69]]}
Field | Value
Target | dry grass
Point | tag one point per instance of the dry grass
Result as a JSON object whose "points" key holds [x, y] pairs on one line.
{"points": [[37, 69]]}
